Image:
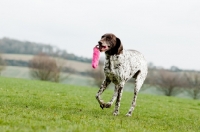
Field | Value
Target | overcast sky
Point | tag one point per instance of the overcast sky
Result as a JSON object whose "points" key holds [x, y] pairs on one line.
{"points": [[167, 32]]}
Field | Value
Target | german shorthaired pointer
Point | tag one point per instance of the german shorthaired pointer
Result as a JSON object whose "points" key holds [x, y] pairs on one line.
{"points": [[120, 66]]}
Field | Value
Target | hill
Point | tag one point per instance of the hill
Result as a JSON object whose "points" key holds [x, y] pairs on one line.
{"points": [[43, 106], [12, 46]]}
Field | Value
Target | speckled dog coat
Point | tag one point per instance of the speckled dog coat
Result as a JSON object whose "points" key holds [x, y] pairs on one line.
{"points": [[120, 66]]}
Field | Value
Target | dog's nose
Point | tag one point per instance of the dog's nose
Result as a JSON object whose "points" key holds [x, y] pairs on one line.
{"points": [[100, 43]]}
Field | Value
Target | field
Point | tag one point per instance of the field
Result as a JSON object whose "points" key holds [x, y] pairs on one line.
{"points": [[23, 72], [74, 79], [78, 66], [27, 105]]}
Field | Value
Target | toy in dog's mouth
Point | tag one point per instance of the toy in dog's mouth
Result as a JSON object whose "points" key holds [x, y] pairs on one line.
{"points": [[96, 56]]}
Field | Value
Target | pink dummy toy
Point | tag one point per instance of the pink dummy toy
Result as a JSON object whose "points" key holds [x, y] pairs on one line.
{"points": [[96, 55]]}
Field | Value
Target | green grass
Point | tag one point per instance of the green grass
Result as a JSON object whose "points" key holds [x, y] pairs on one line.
{"points": [[27, 105]]}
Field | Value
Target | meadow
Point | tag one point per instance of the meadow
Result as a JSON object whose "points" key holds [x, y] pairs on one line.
{"points": [[29, 106]]}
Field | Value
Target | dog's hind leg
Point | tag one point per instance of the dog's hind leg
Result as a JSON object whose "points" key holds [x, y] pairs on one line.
{"points": [[104, 85], [138, 84]]}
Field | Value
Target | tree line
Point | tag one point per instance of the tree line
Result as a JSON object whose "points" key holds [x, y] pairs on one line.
{"points": [[12, 46], [172, 83]]}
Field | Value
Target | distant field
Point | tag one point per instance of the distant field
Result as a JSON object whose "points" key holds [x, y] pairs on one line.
{"points": [[28, 106], [17, 72], [23, 72], [78, 66]]}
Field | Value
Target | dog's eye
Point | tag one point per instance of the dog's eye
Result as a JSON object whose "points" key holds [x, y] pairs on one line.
{"points": [[102, 36]]}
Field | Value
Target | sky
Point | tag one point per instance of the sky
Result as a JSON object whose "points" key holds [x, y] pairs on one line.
{"points": [[167, 32]]}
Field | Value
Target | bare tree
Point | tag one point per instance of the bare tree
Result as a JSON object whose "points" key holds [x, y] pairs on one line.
{"points": [[2, 64], [193, 81], [166, 81], [64, 70], [45, 68], [97, 74]]}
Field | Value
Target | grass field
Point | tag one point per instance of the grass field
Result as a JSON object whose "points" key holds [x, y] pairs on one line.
{"points": [[30, 106]]}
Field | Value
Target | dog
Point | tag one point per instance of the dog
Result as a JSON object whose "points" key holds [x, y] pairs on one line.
{"points": [[120, 66]]}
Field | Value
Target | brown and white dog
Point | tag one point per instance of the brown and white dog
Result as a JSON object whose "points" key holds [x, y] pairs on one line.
{"points": [[120, 66]]}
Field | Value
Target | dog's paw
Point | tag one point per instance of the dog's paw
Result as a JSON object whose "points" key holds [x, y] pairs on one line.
{"points": [[128, 114], [107, 105], [102, 106], [115, 113]]}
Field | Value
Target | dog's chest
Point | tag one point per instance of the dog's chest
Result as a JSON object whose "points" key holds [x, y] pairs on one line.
{"points": [[117, 68]]}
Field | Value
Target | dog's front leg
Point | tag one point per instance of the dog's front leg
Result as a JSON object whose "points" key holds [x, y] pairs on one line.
{"points": [[108, 104], [119, 95], [104, 85]]}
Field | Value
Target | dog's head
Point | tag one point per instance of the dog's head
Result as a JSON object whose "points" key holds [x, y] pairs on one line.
{"points": [[110, 44]]}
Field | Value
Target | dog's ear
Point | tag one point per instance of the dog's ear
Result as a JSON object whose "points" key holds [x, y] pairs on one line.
{"points": [[119, 46], [117, 49]]}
